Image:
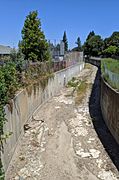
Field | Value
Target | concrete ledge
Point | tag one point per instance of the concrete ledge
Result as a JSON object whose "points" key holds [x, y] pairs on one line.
{"points": [[110, 108]]}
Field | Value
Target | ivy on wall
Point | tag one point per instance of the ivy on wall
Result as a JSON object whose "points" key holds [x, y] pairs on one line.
{"points": [[11, 79], [8, 86]]}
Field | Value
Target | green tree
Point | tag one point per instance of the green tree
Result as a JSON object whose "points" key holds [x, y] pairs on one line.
{"points": [[78, 42], [109, 51], [93, 45], [92, 33], [112, 41], [8, 87], [34, 45], [13, 55], [86, 46], [65, 42]]}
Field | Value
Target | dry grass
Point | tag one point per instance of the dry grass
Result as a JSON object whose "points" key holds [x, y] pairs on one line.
{"points": [[33, 84], [88, 66], [81, 91]]}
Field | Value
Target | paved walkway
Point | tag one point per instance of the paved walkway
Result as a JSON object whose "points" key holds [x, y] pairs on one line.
{"points": [[62, 143]]}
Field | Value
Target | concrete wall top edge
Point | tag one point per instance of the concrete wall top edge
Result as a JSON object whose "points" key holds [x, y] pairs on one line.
{"points": [[109, 86]]}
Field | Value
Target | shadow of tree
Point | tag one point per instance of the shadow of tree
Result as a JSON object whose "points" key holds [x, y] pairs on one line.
{"points": [[108, 141]]}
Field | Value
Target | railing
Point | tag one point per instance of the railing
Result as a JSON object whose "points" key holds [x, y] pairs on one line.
{"points": [[68, 60], [111, 77]]}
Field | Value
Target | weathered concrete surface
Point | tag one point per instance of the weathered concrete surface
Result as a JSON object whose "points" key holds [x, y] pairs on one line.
{"points": [[26, 102], [110, 108], [62, 143], [94, 61]]}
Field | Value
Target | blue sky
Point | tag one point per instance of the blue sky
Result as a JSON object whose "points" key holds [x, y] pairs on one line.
{"points": [[77, 17]]}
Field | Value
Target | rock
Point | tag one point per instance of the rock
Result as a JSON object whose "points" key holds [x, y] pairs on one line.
{"points": [[22, 158], [94, 153], [57, 107], [17, 178], [82, 154], [106, 175], [26, 127]]}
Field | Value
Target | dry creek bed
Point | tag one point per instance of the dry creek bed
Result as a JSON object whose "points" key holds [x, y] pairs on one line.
{"points": [[61, 143]]}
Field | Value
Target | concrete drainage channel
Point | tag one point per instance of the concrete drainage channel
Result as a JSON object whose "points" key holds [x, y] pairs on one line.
{"points": [[61, 143], [24, 104]]}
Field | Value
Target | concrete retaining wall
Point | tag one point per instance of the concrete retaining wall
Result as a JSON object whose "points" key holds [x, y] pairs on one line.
{"points": [[26, 102], [110, 108], [94, 61]]}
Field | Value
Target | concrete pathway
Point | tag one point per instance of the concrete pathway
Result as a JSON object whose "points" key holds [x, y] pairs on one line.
{"points": [[62, 143]]}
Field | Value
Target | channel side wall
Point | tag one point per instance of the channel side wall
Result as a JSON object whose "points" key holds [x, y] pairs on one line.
{"points": [[26, 103], [110, 108]]}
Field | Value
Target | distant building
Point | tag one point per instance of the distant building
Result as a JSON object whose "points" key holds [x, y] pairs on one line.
{"points": [[5, 51], [61, 48], [57, 51]]}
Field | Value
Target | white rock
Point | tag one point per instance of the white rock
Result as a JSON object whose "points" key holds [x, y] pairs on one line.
{"points": [[95, 153], [106, 175], [99, 162], [81, 131], [46, 129], [83, 154], [16, 178], [91, 139], [57, 107], [42, 150]]}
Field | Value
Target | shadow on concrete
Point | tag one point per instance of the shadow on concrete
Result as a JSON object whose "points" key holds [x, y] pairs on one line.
{"points": [[108, 141]]}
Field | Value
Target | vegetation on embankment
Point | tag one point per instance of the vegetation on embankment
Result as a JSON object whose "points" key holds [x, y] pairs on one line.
{"points": [[111, 64], [13, 79], [96, 46], [110, 71], [81, 91], [19, 70], [8, 85], [80, 86]]}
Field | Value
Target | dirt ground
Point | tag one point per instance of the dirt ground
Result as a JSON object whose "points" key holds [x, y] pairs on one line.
{"points": [[64, 140]]}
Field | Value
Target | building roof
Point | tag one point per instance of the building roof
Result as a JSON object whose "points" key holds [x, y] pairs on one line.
{"points": [[5, 50]]}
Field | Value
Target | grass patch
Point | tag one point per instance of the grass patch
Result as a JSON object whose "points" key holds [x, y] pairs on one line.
{"points": [[81, 91], [73, 82], [111, 64], [88, 66], [79, 88], [82, 87], [110, 72]]}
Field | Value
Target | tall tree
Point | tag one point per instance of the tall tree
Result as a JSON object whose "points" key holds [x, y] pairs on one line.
{"points": [[34, 45], [111, 45], [110, 51], [93, 45], [86, 46], [92, 33], [78, 42], [65, 42]]}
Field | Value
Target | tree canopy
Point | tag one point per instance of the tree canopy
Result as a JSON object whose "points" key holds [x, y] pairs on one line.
{"points": [[65, 42], [92, 33], [111, 45], [34, 45], [78, 42], [109, 51], [93, 45]]}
